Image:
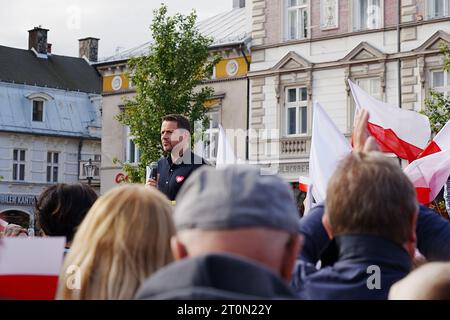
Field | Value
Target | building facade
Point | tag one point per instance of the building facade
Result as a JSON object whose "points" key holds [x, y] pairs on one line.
{"points": [[49, 123], [229, 106], [305, 51]]}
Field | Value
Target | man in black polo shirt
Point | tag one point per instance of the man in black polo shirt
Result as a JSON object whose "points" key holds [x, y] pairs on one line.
{"points": [[176, 167]]}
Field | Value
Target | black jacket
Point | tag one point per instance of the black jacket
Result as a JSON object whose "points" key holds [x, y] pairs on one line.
{"points": [[214, 276], [171, 176], [366, 269], [348, 257]]}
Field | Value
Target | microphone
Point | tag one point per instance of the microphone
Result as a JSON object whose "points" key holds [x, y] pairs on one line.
{"points": [[152, 171]]}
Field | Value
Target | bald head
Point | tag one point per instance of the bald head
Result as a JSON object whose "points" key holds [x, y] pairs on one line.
{"points": [[274, 249], [429, 282]]}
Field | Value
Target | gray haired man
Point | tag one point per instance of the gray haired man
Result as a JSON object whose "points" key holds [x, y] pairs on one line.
{"points": [[237, 238]]}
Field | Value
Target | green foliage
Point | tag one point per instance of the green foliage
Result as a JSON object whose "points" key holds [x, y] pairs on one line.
{"points": [[132, 172], [166, 81], [437, 106], [445, 50], [437, 109]]}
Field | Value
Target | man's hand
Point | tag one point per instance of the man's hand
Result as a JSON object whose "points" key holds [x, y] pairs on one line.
{"points": [[362, 141], [151, 183]]}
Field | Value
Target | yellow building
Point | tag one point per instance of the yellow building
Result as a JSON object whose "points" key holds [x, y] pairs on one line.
{"points": [[229, 106]]}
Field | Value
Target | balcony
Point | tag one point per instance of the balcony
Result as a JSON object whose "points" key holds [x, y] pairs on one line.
{"points": [[295, 147]]}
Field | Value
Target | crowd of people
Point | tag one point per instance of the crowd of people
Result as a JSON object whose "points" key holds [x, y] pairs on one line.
{"points": [[235, 233]]}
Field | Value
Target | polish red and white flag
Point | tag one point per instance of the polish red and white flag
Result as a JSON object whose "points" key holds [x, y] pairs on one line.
{"points": [[328, 147], [429, 174], [403, 132], [30, 267], [303, 183], [439, 143]]}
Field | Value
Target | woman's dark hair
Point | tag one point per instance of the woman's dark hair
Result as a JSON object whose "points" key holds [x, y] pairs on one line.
{"points": [[61, 208]]}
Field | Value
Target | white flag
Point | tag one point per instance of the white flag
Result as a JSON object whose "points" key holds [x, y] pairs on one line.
{"points": [[429, 174], [440, 142], [328, 147], [403, 132], [29, 267], [225, 153]]}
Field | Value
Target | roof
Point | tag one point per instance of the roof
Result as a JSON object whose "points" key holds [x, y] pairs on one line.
{"points": [[226, 29], [66, 113], [61, 72]]}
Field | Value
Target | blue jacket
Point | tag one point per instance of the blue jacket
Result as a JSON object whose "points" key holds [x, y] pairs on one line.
{"points": [[347, 276], [215, 276]]}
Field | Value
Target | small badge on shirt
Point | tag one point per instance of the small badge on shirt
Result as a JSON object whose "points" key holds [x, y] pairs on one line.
{"points": [[179, 178]]}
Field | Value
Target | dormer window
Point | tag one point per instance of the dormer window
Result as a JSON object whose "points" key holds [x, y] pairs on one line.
{"points": [[38, 100], [38, 111]]}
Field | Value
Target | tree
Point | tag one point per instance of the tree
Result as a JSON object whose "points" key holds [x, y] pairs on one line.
{"points": [[437, 106], [437, 109], [445, 50], [166, 81]]}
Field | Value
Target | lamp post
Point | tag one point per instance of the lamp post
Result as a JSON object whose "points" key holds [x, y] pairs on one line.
{"points": [[89, 171]]}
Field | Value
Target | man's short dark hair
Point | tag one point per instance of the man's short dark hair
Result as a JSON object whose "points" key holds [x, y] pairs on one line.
{"points": [[370, 194], [182, 121], [62, 207]]}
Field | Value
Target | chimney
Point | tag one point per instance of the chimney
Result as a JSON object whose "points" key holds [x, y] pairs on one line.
{"points": [[89, 48], [238, 4], [37, 39]]}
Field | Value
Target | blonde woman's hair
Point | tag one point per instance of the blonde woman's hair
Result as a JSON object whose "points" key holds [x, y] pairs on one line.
{"points": [[124, 238]]}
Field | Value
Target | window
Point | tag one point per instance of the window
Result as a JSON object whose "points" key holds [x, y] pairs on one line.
{"points": [[371, 85], [38, 110], [366, 14], [132, 153], [18, 165], [52, 166], [211, 136], [296, 111], [440, 81], [438, 8], [297, 12]]}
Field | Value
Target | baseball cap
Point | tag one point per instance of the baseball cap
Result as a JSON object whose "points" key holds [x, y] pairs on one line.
{"points": [[235, 196]]}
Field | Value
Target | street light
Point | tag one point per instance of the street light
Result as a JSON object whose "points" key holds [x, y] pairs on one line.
{"points": [[89, 167]]}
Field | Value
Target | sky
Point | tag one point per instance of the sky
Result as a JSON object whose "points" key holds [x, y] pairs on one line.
{"points": [[120, 24]]}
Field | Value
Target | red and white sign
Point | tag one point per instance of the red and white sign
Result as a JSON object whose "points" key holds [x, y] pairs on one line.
{"points": [[403, 132], [30, 267]]}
